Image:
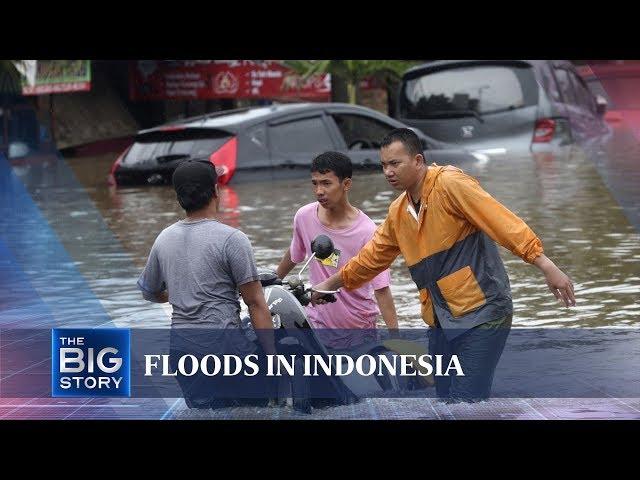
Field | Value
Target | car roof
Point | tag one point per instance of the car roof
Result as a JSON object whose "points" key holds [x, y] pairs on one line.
{"points": [[440, 64], [242, 117]]}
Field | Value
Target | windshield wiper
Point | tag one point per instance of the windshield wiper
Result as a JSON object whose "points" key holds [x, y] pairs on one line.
{"points": [[455, 113], [171, 157]]}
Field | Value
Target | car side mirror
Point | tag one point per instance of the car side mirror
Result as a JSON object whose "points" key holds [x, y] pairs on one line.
{"points": [[601, 105]]}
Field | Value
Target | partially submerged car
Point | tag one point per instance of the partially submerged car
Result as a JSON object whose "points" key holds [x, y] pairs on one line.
{"points": [[252, 141], [510, 105]]}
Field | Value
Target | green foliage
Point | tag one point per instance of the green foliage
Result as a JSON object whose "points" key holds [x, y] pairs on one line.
{"points": [[352, 71]]}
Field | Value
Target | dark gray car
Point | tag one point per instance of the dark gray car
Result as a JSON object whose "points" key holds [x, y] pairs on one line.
{"points": [[490, 105], [262, 142]]}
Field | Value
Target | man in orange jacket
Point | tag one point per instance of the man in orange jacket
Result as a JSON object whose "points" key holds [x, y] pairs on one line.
{"points": [[445, 226]]}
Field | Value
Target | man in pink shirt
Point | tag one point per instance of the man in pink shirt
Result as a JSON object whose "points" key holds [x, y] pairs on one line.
{"points": [[349, 229]]}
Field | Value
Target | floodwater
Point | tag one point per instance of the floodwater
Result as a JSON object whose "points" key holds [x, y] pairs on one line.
{"points": [[586, 209], [569, 201]]}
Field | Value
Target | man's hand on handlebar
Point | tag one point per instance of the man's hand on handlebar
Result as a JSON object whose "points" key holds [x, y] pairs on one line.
{"points": [[331, 284], [318, 298]]}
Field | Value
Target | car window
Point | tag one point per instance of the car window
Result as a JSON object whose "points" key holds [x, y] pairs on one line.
{"points": [[565, 85], [549, 84], [361, 132], [183, 147], [298, 136], [483, 89], [204, 147], [585, 99], [258, 135], [190, 143]]}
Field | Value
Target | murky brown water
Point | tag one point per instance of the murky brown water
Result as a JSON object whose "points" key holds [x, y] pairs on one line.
{"points": [[565, 200]]}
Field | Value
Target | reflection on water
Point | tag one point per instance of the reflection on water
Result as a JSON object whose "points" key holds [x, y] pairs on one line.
{"points": [[583, 228]]}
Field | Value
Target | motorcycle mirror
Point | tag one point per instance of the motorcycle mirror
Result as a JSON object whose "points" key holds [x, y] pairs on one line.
{"points": [[294, 282], [322, 246]]}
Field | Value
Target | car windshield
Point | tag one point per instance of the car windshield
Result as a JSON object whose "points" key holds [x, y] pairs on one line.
{"points": [[166, 146], [468, 91], [620, 93]]}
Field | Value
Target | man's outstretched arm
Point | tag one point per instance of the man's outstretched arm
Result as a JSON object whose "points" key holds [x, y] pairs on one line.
{"points": [[502, 225], [558, 282], [375, 257]]}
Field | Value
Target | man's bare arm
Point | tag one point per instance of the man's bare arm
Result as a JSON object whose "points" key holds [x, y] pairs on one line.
{"points": [[259, 312], [160, 297], [557, 281], [286, 265], [163, 297], [332, 283], [387, 307]]}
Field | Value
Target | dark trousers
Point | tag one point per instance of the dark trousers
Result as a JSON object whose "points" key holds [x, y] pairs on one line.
{"points": [[478, 351], [203, 391]]}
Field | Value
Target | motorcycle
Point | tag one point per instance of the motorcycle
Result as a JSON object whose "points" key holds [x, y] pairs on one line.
{"points": [[294, 335]]}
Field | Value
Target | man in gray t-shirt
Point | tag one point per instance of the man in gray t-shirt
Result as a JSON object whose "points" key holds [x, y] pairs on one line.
{"points": [[199, 264]]}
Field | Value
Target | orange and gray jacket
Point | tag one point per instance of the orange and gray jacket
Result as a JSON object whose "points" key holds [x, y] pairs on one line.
{"points": [[446, 245]]}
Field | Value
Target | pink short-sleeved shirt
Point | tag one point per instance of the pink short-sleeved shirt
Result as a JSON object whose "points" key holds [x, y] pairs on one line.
{"points": [[353, 309]]}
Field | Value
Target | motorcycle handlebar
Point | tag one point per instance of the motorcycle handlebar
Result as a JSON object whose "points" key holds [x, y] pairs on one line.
{"points": [[305, 298], [303, 295]]}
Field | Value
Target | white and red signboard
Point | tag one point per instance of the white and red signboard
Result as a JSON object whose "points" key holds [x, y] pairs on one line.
{"points": [[215, 79]]}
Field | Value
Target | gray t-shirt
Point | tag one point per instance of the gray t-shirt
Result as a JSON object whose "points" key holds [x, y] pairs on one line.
{"points": [[201, 264]]}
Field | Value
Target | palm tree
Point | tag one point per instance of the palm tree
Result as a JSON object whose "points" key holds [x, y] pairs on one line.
{"points": [[351, 71]]}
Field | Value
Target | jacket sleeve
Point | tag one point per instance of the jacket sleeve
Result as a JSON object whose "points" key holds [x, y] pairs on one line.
{"points": [[469, 200], [375, 257]]}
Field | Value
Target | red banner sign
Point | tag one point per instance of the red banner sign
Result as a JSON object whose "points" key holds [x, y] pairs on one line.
{"points": [[209, 79]]}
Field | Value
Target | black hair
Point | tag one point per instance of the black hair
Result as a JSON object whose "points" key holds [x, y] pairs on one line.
{"points": [[194, 182], [335, 162], [193, 197], [407, 137]]}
